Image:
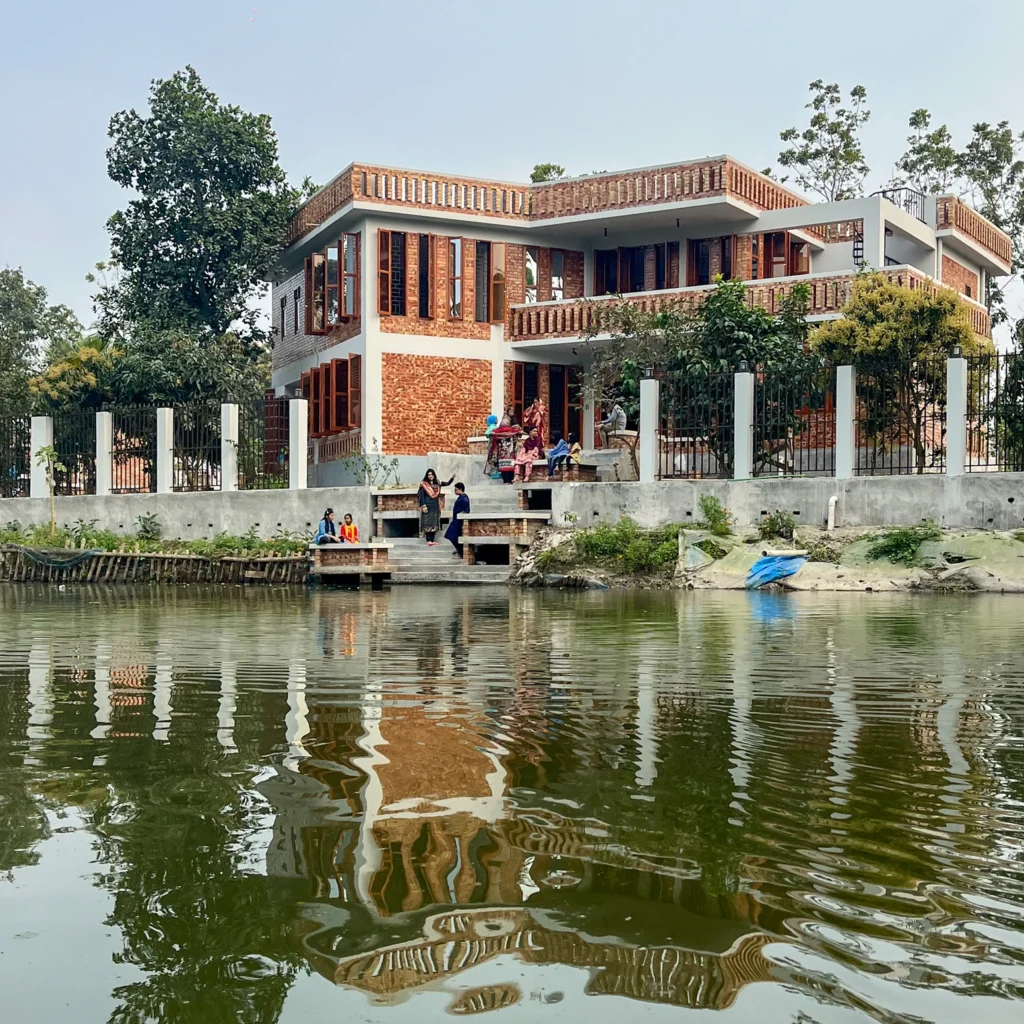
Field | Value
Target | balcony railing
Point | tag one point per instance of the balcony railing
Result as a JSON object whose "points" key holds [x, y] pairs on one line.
{"points": [[829, 294], [951, 212], [907, 199]]}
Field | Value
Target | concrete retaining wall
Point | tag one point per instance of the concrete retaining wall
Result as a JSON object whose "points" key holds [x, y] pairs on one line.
{"points": [[204, 514], [985, 500]]}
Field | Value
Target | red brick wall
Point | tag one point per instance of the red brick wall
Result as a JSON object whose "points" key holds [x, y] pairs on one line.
{"points": [[543, 275], [515, 274], [510, 384], [433, 403], [744, 256], [957, 276], [650, 269], [573, 274]]}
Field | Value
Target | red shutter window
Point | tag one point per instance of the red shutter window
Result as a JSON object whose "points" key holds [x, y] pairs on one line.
{"points": [[426, 277], [355, 391], [350, 276], [315, 294], [314, 402], [332, 303], [454, 278], [384, 272], [327, 424], [306, 387], [339, 373]]}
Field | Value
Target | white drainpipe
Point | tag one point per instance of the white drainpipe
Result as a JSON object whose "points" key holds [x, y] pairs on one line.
{"points": [[832, 511]]}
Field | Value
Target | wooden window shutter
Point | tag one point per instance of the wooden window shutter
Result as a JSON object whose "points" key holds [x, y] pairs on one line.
{"points": [[307, 291], [355, 391], [339, 373], [314, 402], [518, 390], [384, 272], [327, 401], [306, 387]]}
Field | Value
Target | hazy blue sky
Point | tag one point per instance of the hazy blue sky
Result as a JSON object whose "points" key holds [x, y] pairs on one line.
{"points": [[476, 88]]}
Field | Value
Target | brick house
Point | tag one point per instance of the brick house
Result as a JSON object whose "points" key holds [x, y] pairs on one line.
{"points": [[409, 305]]}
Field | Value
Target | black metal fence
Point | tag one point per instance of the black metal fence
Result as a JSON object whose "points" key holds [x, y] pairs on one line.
{"points": [[901, 418], [15, 456], [74, 440], [133, 449], [263, 444], [907, 199], [697, 435], [995, 413], [795, 423], [197, 456]]}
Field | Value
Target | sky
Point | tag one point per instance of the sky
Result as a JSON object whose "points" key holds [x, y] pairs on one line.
{"points": [[482, 89]]}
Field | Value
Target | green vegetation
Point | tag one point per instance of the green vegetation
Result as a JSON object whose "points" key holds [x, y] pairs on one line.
{"points": [[900, 545], [821, 551], [710, 548], [84, 535], [624, 547], [776, 524], [1019, 536], [713, 517]]}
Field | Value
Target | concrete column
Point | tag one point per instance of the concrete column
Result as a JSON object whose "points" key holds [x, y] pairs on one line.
{"points": [[41, 436], [743, 419], [650, 418], [938, 259], [228, 447], [846, 422], [297, 441], [589, 422], [104, 452], [956, 415], [874, 236], [164, 451]]}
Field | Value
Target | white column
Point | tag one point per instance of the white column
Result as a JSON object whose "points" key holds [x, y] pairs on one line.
{"points": [[297, 441], [101, 675], [650, 417], [938, 259], [743, 419], [589, 422], [956, 414], [164, 451], [228, 447], [226, 706], [41, 435], [104, 452], [874, 236], [846, 422]]}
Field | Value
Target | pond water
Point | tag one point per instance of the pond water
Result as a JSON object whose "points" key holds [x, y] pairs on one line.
{"points": [[286, 806]]}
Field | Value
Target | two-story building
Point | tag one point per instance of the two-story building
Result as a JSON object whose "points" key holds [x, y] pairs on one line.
{"points": [[412, 305]]}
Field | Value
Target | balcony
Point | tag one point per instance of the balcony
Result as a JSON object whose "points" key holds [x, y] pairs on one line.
{"points": [[953, 214], [829, 293]]}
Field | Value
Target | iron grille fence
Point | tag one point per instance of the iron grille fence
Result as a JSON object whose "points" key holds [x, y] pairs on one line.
{"points": [[133, 449], [197, 433], [995, 413], [74, 440], [263, 444], [795, 422], [696, 436], [15, 456], [901, 418], [907, 199]]}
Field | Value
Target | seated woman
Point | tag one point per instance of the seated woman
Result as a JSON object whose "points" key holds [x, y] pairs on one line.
{"points": [[326, 531], [532, 448], [349, 530], [563, 452]]}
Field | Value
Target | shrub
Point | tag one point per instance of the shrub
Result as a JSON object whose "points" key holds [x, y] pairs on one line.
{"points": [[709, 547], [819, 551], [147, 527], [713, 517], [1018, 536], [777, 524], [901, 545]]}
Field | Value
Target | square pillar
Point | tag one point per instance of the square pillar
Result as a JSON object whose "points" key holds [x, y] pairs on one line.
{"points": [[956, 414], [743, 424], [228, 446], [104, 452], [589, 422], [41, 436], [846, 422], [164, 451], [298, 410], [650, 417], [874, 236]]}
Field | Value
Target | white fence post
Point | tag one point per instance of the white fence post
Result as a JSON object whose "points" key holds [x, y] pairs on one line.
{"points": [[297, 441], [104, 452], [650, 417], [956, 413], [228, 446], [41, 436], [743, 423], [164, 451], [846, 422]]}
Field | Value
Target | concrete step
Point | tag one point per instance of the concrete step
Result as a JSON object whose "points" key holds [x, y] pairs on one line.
{"points": [[468, 574]]}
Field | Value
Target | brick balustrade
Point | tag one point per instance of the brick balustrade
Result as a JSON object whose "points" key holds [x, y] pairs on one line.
{"points": [[951, 212], [829, 293]]}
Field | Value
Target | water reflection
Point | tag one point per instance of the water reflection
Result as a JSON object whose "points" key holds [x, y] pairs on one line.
{"points": [[428, 792]]}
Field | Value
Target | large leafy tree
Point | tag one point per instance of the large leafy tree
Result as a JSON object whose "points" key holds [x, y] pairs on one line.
{"points": [[827, 157], [29, 327], [546, 172], [931, 163], [899, 340], [207, 218]]}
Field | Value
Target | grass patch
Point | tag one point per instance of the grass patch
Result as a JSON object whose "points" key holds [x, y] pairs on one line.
{"points": [[819, 551], [624, 547], [713, 517], [900, 545], [710, 548]]}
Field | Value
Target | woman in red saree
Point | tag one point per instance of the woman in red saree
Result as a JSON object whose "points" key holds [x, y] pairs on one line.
{"points": [[537, 417]]}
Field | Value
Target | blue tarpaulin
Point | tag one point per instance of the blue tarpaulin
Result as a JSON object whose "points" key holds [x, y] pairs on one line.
{"points": [[773, 567]]}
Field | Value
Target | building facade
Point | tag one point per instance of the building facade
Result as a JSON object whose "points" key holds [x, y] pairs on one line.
{"points": [[410, 306]]}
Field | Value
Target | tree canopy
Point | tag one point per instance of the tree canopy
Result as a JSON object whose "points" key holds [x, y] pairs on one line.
{"points": [[546, 172], [207, 218]]}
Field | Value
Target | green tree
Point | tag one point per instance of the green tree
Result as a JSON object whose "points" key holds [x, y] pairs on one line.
{"points": [[827, 157], [931, 163], [208, 217], [546, 172], [28, 326], [899, 339]]}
